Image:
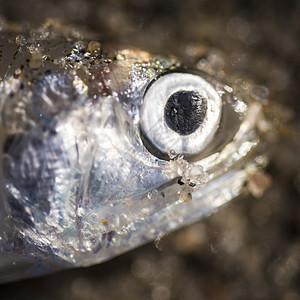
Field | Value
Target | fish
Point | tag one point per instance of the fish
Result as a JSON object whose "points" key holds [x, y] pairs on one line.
{"points": [[106, 148]]}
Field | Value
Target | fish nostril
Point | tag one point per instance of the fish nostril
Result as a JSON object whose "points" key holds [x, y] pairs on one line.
{"points": [[184, 111]]}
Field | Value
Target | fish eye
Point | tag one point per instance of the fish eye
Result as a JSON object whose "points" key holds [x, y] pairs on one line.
{"points": [[181, 112]]}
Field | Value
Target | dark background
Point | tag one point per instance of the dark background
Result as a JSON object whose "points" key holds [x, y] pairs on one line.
{"points": [[250, 249]]}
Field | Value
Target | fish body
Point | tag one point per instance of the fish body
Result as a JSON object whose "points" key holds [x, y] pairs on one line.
{"points": [[104, 150]]}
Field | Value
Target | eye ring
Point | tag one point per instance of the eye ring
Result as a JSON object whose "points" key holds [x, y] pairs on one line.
{"points": [[198, 121]]}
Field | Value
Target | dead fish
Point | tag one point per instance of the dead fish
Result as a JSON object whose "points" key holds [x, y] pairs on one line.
{"points": [[103, 150]]}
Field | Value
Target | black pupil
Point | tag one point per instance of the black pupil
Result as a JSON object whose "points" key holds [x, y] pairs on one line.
{"points": [[185, 111]]}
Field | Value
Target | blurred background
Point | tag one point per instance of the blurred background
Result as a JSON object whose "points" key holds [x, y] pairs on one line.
{"points": [[250, 249]]}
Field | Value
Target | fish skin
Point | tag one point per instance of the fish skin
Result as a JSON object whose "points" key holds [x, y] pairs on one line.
{"points": [[79, 186]]}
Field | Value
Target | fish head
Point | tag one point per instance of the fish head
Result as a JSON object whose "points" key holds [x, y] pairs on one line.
{"points": [[105, 150]]}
